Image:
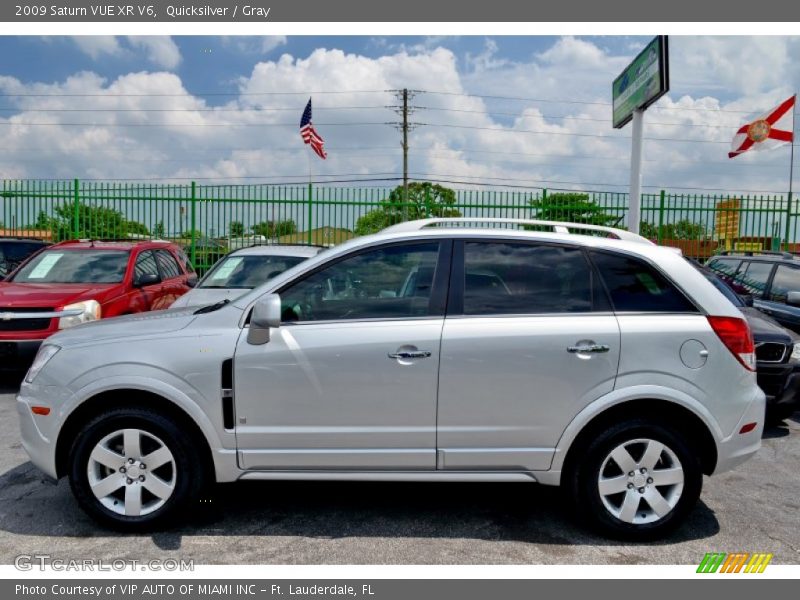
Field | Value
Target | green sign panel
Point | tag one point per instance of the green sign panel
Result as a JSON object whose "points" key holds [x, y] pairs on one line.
{"points": [[642, 82]]}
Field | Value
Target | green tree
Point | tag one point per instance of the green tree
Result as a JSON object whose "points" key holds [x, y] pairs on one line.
{"points": [[572, 207], [680, 230], [93, 222], [270, 229], [236, 228], [287, 227], [425, 200], [135, 228], [43, 221]]}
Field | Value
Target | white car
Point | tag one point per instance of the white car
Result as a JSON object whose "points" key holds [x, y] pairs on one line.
{"points": [[243, 270]]}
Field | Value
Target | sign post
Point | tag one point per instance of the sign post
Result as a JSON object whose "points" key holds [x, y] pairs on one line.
{"points": [[640, 84]]}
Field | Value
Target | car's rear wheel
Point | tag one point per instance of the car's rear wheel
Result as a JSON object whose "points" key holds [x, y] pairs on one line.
{"points": [[636, 480], [132, 468]]}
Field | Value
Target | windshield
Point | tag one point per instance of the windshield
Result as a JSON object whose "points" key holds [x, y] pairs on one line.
{"points": [[75, 266], [247, 272]]}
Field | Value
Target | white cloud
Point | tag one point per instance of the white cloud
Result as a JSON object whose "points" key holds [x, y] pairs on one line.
{"points": [[161, 50], [98, 46], [270, 42], [258, 45], [546, 141], [572, 52]]}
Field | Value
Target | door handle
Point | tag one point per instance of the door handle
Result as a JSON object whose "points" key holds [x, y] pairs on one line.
{"points": [[406, 354], [588, 348]]}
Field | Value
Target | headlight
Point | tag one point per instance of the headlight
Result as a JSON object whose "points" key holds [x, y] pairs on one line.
{"points": [[46, 352], [91, 312], [795, 352]]}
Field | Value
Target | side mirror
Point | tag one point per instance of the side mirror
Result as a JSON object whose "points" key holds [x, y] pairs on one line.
{"points": [[266, 315], [146, 279], [191, 280], [747, 299], [793, 298]]}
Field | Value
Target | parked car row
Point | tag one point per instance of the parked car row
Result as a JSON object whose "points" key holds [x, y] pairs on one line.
{"points": [[430, 352], [49, 288]]}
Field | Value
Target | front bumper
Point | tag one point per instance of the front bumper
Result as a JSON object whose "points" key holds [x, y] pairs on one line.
{"points": [[739, 447], [39, 432]]}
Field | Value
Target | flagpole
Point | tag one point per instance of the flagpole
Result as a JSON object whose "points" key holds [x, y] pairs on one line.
{"points": [[791, 176], [310, 201], [791, 155]]}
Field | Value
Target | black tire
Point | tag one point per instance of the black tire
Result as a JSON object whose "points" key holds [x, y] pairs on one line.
{"points": [[189, 471], [585, 470]]}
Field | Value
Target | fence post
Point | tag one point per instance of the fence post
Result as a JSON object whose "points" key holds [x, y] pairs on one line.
{"points": [[661, 216], [788, 218], [542, 203], [76, 215], [428, 210], [309, 235], [193, 217]]}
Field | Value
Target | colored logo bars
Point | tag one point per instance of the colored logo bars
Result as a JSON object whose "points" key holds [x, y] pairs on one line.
{"points": [[739, 562]]}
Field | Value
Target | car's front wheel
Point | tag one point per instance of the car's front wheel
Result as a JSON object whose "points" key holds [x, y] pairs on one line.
{"points": [[132, 468], [637, 480]]}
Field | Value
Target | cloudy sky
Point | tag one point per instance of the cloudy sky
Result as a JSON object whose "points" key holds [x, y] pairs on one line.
{"points": [[514, 111]]}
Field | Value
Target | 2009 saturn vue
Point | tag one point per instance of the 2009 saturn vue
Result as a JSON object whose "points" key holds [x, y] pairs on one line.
{"points": [[437, 350]]}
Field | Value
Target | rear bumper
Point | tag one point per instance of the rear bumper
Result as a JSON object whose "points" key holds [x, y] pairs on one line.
{"points": [[17, 355], [739, 447]]}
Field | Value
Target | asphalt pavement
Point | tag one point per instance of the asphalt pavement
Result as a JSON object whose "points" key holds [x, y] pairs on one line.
{"points": [[752, 509]]}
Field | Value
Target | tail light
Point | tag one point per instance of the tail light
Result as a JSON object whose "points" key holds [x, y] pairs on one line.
{"points": [[735, 334]]}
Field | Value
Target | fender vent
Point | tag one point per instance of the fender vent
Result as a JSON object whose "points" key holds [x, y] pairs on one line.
{"points": [[227, 394]]}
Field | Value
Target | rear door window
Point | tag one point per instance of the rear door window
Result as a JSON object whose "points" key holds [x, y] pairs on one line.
{"points": [[724, 267], [167, 264], [785, 280], [635, 286], [503, 278], [146, 265], [753, 277]]}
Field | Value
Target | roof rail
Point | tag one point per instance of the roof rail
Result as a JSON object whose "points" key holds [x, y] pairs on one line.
{"points": [[267, 244], [557, 226], [781, 253]]}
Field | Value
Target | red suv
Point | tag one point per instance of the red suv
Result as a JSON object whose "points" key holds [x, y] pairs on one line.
{"points": [[79, 281]]}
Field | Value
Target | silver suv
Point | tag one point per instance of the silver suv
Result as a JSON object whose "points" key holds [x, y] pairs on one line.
{"points": [[437, 350]]}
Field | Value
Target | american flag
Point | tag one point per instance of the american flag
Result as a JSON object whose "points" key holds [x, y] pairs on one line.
{"points": [[310, 135]]}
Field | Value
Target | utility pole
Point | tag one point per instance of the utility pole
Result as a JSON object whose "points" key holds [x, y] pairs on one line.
{"points": [[405, 146], [405, 126]]}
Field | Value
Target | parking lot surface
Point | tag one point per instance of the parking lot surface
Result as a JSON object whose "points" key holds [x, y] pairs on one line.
{"points": [[752, 509]]}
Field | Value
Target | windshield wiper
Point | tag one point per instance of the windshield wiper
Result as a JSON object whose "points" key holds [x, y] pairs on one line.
{"points": [[211, 307]]}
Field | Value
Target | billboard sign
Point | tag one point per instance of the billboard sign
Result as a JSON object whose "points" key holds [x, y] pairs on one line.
{"points": [[642, 82]]}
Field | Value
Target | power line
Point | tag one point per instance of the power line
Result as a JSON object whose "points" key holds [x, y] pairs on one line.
{"points": [[368, 152], [570, 117], [340, 92], [188, 110], [439, 178], [215, 110], [354, 123], [187, 93], [585, 102], [167, 125], [592, 135]]}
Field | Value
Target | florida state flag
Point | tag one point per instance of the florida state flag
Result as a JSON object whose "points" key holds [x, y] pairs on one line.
{"points": [[768, 131]]}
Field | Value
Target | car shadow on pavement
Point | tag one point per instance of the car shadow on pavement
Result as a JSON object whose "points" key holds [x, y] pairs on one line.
{"points": [[32, 506], [9, 381], [781, 428]]}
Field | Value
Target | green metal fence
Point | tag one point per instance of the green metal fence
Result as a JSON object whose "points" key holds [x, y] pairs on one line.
{"points": [[210, 220]]}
